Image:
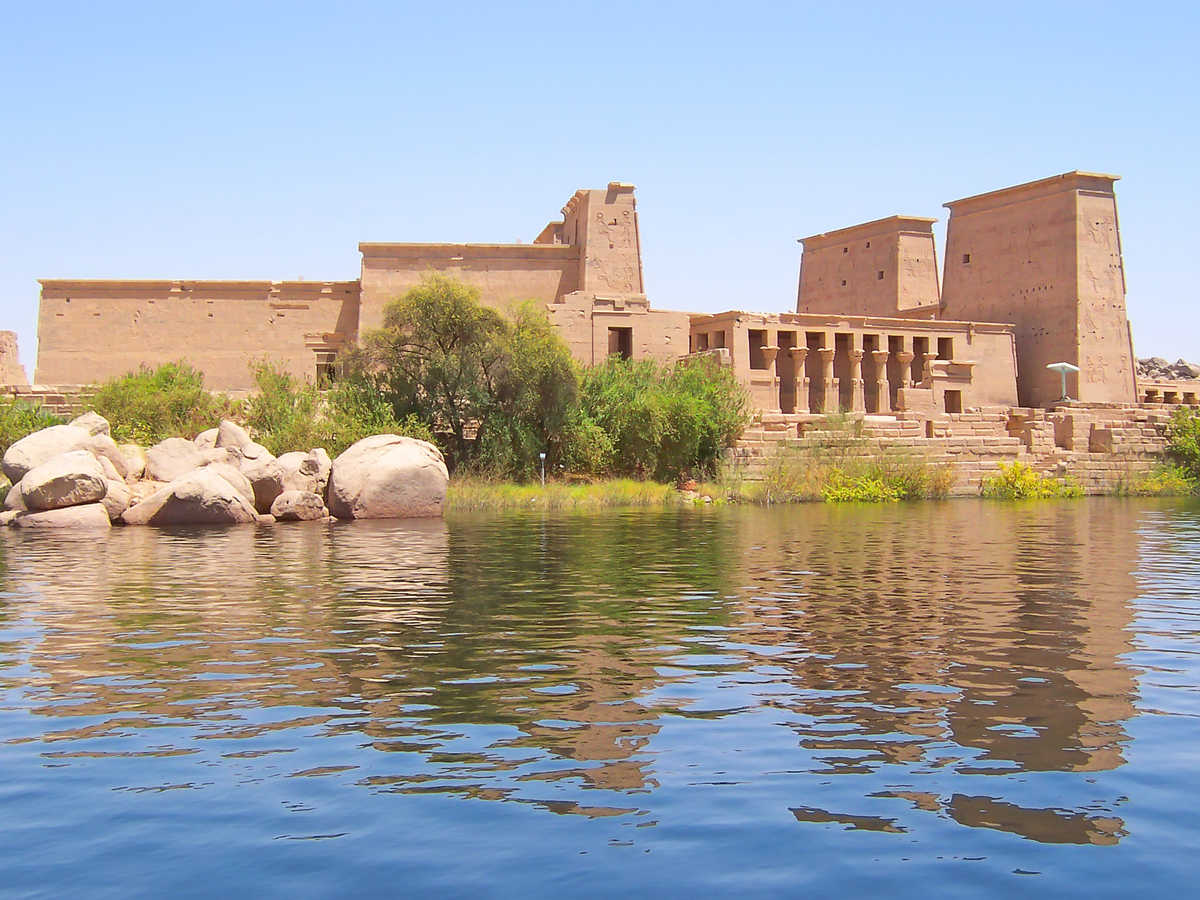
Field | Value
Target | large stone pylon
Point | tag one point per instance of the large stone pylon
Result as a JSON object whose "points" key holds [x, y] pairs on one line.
{"points": [[1046, 257]]}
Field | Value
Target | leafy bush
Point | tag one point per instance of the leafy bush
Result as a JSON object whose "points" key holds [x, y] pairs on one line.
{"points": [[663, 422], [19, 418], [841, 488], [283, 413], [289, 413], [1019, 481], [1183, 440], [1163, 481], [152, 404]]}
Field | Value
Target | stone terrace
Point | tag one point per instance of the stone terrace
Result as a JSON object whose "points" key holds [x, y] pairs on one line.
{"points": [[1100, 447]]}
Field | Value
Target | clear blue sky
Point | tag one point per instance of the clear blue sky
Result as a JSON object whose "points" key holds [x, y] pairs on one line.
{"points": [[264, 141]]}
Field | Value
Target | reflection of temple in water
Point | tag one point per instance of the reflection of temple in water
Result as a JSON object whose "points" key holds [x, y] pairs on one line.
{"points": [[942, 638]]}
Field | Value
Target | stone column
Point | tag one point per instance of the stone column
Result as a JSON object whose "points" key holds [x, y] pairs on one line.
{"points": [[905, 358], [828, 387], [883, 390], [799, 355], [927, 369], [769, 353], [858, 401]]}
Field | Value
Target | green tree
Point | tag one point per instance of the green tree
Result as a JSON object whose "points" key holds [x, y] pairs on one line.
{"points": [[437, 357], [533, 387]]}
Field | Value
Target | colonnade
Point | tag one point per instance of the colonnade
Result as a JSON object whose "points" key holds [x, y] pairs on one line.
{"points": [[827, 374]]}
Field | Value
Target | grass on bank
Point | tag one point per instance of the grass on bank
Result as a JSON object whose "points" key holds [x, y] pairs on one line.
{"points": [[467, 494]]}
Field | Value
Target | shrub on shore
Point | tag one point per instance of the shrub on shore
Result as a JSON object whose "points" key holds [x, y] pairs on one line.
{"points": [[1183, 441], [287, 413], [1019, 481], [1166, 480], [149, 405], [19, 418]]}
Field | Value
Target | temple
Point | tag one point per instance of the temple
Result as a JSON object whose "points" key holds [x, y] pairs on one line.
{"points": [[1033, 275]]}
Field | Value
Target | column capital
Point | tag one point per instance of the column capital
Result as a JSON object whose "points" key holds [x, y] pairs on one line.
{"points": [[880, 356]]}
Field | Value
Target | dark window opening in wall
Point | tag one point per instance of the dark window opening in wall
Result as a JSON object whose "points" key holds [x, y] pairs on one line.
{"points": [[718, 339], [879, 275], [701, 341], [620, 342], [326, 368], [966, 258], [843, 282], [868, 245], [945, 348], [845, 249], [758, 340], [953, 401]]}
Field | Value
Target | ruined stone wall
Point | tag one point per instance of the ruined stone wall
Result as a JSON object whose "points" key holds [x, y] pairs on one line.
{"points": [[1046, 257], [89, 331], [1099, 447], [11, 370], [875, 269]]}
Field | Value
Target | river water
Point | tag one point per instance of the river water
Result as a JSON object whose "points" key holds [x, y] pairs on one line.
{"points": [[962, 698]]}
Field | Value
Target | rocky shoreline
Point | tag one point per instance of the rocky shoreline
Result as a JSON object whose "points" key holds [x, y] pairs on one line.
{"points": [[77, 476]]}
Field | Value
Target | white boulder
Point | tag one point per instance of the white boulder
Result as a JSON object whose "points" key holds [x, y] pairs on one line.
{"points": [[231, 434], [103, 445], [67, 480], [42, 446], [13, 499], [298, 506], [206, 440], [173, 458], [266, 477], [201, 497], [135, 460], [88, 515], [116, 499], [387, 476], [110, 471], [92, 422], [305, 471], [235, 477]]}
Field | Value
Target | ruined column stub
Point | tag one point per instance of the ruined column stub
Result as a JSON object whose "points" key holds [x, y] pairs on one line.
{"points": [[883, 391], [1046, 257], [879, 268]]}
